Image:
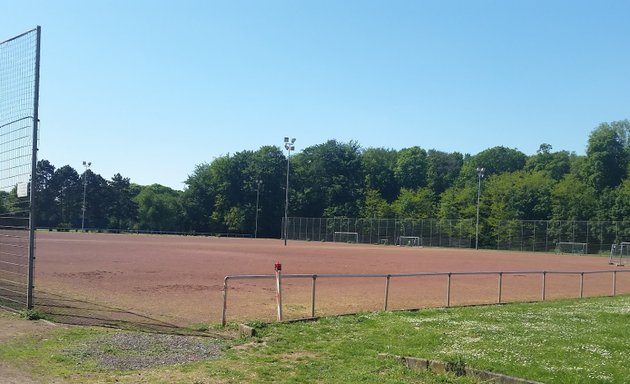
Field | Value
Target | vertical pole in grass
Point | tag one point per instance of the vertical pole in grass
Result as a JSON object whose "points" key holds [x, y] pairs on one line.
{"points": [[500, 286], [278, 268], [448, 290], [386, 291], [544, 283], [614, 283], [313, 296], [581, 285], [223, 312]]}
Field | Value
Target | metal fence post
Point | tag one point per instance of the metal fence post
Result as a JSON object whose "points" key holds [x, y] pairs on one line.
{"points": [[500, 287], [313, 296], [223, 312], [386, 292], [448, 291], [278, 268]]}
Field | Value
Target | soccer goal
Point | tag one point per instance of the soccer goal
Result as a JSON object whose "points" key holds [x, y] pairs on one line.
{"points": [[619, 253], [346, 237], [572, 247], [410, 241]]}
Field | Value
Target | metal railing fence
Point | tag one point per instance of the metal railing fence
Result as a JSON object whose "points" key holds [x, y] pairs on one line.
{"points": [[449, 277]]}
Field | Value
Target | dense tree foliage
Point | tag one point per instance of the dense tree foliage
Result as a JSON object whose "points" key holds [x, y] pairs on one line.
{"points": [[336, 179]]}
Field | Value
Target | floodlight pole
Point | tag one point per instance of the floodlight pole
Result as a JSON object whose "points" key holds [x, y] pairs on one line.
{"points": [[258, 182], [480, 172], [288, 145], [87, 166]]}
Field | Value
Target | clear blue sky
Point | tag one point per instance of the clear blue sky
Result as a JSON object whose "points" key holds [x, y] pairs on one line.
{"points": [[152, 88]]}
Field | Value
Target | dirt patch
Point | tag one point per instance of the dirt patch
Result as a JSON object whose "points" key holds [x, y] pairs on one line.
{"points": [[299, 355], [12, 326]]}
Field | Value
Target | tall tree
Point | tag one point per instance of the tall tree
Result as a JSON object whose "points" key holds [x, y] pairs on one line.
{"points": [[328, 180], [97, 200], [607, 158], [68, 190], [621, 207], [573, 199], [199, 198], [458, 202], [411, 168], [378, 169], [519, 196], [415, 204], [44, 194], [268, 166], [159, 209], [494, 161], [442, 170], [375, 206], [122, 210], [555, 164]]}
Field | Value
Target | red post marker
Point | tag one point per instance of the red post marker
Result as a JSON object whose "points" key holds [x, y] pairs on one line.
{"points": [[278, 268]]}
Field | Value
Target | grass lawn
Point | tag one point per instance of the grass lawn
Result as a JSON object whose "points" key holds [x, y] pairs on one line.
{"points": [[573, 341]]}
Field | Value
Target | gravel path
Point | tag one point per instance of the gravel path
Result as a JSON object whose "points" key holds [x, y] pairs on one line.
{"points": [[132, 350]]}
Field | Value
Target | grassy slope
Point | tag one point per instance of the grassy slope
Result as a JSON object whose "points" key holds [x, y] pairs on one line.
{"points": [[555, 342]]}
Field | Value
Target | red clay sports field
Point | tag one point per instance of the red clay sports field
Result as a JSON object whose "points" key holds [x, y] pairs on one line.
{"points": [[179, 279]]}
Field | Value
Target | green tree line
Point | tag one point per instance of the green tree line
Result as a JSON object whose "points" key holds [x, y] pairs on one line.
{"points": [[336, 179]]}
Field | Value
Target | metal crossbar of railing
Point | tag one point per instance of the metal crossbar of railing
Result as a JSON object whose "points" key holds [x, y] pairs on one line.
{"points": [[389, 276]]}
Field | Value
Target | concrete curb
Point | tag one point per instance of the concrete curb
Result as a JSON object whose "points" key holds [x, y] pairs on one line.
{"points": [[442, 367], [246, 330]]}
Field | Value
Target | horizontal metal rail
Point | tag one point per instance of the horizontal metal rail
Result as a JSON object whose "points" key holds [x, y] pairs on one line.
{"points": [[449, 275]]}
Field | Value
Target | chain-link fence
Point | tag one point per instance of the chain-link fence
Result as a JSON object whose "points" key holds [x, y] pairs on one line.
{"points": [[19, 95], [431, 233], [517, 235], [545, 235]]}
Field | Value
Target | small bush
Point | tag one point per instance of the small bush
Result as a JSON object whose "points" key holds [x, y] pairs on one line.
{"points": [[34, 314], [457, 365]]}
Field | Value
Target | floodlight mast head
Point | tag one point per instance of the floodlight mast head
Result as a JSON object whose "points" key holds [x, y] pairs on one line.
{"points": [[288, 144], [481, 171]]}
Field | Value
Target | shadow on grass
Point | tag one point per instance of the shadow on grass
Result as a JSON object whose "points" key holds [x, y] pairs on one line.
{"points": [[73, 311]]}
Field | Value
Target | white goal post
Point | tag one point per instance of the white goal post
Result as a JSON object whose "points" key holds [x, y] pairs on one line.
{"points": [[619, 253], [411, 241], [572, 247], [346, 237]]}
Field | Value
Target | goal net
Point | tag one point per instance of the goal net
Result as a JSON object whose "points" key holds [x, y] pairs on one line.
{"points": [[571, 247], [619, 253], [410, 241], [346, 237]]}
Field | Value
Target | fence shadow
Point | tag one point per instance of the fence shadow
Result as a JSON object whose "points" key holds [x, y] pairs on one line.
{"points": [[67, 310]]}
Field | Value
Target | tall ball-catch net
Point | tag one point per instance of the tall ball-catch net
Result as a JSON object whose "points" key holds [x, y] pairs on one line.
{"points": [[19, 94]]}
